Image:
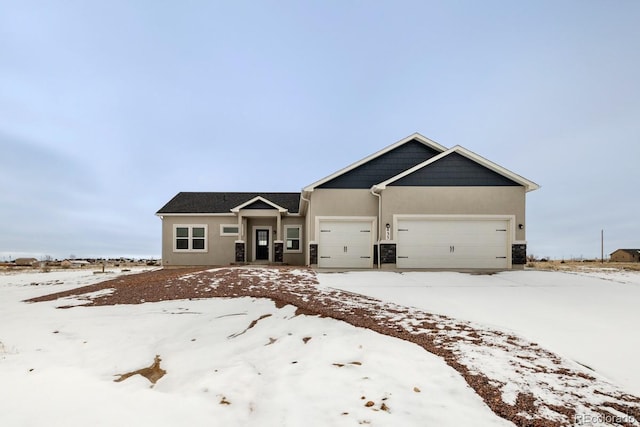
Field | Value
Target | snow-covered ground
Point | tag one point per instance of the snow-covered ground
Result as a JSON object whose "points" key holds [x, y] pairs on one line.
{"points": [[58, 366], [245, 362], [590, 316]]}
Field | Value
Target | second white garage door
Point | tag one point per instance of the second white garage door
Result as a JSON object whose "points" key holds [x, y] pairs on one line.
{"points": [[459, 243], [345, 244]]}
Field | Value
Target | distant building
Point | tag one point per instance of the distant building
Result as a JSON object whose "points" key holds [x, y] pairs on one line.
{"points": [[626, 255], [25, 262], [74, 263]]}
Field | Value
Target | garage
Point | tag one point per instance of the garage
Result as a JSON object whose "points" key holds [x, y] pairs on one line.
{"points": [[453, 243], [345, 244]]}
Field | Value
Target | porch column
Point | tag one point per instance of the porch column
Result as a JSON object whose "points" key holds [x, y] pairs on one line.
{"points": [[240, 230], [278, 244]]}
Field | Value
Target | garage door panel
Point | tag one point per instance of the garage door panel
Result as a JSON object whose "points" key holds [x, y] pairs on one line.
{"points": [[424, 243], [345, 244]]}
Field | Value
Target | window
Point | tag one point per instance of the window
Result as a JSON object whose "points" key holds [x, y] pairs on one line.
{"points": [[190, 238], [293, 235], [229, 229]]}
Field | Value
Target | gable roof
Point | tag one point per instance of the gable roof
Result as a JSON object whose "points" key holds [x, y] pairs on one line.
{"points": [[258, 202], [629, 251], [517, 179], [431, 145], [223, 202]]}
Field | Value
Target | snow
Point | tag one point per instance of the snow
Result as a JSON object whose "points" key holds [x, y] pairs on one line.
{"points": [[243, 361], [58, 365], [589, 316]]}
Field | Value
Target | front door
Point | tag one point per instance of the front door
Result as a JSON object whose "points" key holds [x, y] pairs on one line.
{"points": [[262, 244]]}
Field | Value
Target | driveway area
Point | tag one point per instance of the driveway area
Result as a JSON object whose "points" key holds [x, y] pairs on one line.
{"points": [[590, 316]]}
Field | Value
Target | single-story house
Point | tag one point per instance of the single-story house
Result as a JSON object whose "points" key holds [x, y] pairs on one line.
{"points": [[625, 255], [25, 262], [74, 263], [413, 204]]}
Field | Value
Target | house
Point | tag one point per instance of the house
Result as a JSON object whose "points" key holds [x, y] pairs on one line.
{"points": [[625, 255], [74, 263], [413, 204], [25, 262]]}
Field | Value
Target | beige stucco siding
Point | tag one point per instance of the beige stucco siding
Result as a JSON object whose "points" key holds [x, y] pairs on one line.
{"points": [[339, 202], [455, 201], [294, 258], [220, 249]]}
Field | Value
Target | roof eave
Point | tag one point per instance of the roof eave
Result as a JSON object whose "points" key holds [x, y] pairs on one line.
{"points": [[261, 199]]}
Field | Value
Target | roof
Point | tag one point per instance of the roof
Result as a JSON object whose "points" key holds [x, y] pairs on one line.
{"points": [[529, 185], [224, 202], [631, 251], [413, 137]]}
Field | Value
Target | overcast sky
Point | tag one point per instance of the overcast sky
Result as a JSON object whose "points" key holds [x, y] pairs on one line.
{"points": [[109, 108]]}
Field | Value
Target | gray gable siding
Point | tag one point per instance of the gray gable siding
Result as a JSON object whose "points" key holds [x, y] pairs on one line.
{"points": [[454, 170], [383, 167], [213, 202]]}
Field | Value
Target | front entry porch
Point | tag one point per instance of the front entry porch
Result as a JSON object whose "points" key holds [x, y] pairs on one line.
{"points": [[260, 241]]}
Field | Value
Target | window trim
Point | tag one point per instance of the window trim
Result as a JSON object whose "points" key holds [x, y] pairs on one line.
{"points": [[190, 237], [222, 227], [299, 238]]}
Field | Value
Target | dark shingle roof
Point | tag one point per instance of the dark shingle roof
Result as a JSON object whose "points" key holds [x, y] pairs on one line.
{"points": [[631, 251], [208, 202]]}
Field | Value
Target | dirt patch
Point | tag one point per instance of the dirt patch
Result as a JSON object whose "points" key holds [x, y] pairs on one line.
{"points": [[134, 288], [153, 373], [569, 389], [251, 325]]}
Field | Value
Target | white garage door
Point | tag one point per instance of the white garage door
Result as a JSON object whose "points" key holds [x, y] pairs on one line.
{"points": [[345, 244], [432, 243]]}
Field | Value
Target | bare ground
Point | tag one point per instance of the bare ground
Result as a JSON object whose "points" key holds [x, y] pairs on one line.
{"points": [[568, 389]]}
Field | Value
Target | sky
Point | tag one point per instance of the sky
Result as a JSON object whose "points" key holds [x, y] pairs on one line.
{"points": [[110, 108]]}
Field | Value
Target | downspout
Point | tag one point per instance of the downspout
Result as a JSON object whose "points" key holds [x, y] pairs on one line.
{"points": [[306, 225], [379, 221]]}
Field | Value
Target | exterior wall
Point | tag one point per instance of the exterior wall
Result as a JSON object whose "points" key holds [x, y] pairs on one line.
{"points": [[220, 249], [623, 256], [289, 257], [455, 201]]}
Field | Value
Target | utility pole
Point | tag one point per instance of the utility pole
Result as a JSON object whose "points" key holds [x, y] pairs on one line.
{"points": [[602, 246]]}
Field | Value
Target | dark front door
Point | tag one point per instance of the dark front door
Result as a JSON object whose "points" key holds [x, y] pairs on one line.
{"points": [[262, 244]]}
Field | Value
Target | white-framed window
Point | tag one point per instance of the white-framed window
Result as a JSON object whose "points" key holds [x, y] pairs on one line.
{"points": [[190, 238], [293, 238], [229, 229]]}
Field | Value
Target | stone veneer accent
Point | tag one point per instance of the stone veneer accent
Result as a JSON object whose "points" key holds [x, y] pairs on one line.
{"points": [[519, 254], [313, 253], [240, 252], [387, 253], [278, 252]]}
